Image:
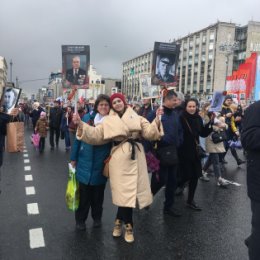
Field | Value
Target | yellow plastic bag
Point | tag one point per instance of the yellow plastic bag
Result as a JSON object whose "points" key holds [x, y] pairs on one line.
{"points": [[72, 191]]}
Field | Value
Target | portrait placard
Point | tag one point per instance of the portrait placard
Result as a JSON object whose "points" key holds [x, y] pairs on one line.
{"points": [[147, 89], [9, 98], [165, 64], [75, 65]]}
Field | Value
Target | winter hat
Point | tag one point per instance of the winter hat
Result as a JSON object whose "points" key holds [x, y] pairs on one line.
{"points": [[43, 114], [117, 95]]}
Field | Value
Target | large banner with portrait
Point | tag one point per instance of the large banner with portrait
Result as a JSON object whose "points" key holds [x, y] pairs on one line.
{"points": [[75, 65], [165, 64], [9, 99], [147, 89]]}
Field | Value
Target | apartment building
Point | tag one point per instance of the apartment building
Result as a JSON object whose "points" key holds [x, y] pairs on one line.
{"points": [[131, 72], [206, 57]]}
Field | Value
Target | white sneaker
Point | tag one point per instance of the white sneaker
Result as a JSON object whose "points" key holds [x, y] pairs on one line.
{"points": [[222, 182], [204, 176]]}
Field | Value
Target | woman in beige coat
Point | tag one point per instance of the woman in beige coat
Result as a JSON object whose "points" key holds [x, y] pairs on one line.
{"points": [[215, 150], [129, 180]]}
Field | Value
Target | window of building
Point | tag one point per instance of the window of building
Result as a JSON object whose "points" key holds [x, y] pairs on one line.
{"points": [[212, 36], [211, 46], [197, 40], [190, 53], [204, 38]]}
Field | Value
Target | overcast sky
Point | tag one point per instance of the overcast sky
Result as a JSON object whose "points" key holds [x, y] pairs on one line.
{"points": [[32, 31]]}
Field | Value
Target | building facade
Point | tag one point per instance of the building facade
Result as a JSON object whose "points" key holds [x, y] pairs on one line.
{"points": [[112, 85], [206, 57], [3, 73], [131, 72]]}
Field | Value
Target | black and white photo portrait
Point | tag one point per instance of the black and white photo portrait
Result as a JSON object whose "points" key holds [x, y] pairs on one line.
{"points": [[9, 98]]}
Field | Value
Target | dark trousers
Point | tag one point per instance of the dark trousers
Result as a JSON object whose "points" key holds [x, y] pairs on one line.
{"points": [[125, 214], [167, 176], [191, 171], [90, 196], [67, 138], [42, 144], [214, 158], [55, 131], [254, 240]]}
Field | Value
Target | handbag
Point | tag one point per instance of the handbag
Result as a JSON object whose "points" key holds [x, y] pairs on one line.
{"points": [[153, 164], [168, 155], [218, 136], [15, 137], [200, 151]]}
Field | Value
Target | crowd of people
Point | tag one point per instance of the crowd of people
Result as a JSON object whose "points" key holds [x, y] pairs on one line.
{"points": [[174, 135]]}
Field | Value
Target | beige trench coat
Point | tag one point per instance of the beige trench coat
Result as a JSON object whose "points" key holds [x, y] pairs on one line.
{"points": [[129, 179]]}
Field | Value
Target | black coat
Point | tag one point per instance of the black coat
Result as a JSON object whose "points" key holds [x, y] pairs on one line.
{"points": [[55, 117], [190, 163], [35, 115], [188, 150], [4, 119], [250, 138]]}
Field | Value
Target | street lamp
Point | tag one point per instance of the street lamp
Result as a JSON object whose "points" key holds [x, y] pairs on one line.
{"points": [[228, 48]]}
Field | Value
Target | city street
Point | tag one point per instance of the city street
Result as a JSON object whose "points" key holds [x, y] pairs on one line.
{"points": [[48, 232]]}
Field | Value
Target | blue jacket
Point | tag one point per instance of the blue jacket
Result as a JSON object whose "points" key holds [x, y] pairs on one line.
{"points": [[90, 158], [173, 132]]}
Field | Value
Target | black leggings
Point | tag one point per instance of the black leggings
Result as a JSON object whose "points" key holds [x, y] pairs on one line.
{"points": [[125, 214]]}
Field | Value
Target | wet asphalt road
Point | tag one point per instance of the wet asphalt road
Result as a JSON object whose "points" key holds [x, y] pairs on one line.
{"points": [[215, 233]]}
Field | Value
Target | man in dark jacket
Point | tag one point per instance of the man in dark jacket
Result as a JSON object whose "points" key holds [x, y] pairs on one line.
{"points": [[54, 124], [250, 138], [173, 137]]}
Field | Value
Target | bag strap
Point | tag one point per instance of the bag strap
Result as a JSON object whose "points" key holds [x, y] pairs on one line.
{"points": [[191, 131]]}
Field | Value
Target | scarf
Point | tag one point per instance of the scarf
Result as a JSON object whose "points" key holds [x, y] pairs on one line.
{"points": [[98, 119]]}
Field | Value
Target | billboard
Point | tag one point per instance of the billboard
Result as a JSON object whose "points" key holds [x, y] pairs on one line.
{"points": [[75, 65], [165, 64], [147, 89]]}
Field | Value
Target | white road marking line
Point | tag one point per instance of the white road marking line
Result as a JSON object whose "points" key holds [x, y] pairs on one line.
{"points": [[25, 151], [27, 168], [25, 155], [26, 161], [28, 177], [30, 190], [36, 238], [32, 209]]}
